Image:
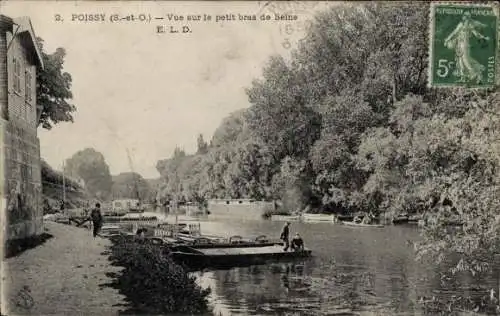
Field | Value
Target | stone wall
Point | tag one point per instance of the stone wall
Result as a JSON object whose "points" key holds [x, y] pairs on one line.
{"points": [[22, 188]]}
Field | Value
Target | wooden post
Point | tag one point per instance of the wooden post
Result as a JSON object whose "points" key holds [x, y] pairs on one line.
{"points": [[64, 186]]}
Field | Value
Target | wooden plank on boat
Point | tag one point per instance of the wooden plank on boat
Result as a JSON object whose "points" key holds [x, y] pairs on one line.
{"points": [[242, 251]]}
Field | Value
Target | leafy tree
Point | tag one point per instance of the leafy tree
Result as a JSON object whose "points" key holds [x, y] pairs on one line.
{"points": [[230, 129], [279, 114], [54, 89], [52, 189], [130, 185], [90, 165], [248, 175], [202, 145], [291, 184]]}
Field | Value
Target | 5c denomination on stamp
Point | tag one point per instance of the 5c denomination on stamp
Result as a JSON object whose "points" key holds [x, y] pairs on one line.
{"points": [[463, 45]]}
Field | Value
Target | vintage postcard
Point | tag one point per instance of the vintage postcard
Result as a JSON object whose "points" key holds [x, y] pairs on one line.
{"points": [[249, 158]]}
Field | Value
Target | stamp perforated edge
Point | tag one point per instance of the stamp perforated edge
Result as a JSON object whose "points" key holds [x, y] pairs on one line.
{"points": [[496, 9]]}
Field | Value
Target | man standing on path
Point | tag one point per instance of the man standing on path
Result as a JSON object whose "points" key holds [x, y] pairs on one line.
{"points": [[285, 233], [96, 218]]}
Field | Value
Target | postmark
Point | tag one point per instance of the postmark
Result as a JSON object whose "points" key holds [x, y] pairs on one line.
{"points": [[291, 30], [463, 45]]}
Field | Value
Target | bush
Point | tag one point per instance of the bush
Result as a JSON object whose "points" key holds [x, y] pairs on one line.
{"points": [[153, 283]]}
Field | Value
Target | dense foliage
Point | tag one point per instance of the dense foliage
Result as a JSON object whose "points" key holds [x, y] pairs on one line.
{"points": [[153, 283], [308, 115], [348, 124], [52, 189], [54, 89], [53, 92], [90, 166], [131, 185]]}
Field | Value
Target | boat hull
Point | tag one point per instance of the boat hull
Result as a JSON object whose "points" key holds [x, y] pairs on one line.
{"points": [[345, 217], [351, 224], [227, 258], [318, 218], [283, 218], [411, 220]]}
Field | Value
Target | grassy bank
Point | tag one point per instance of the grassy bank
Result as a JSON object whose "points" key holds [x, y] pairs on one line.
{"points": [[152, 283]]}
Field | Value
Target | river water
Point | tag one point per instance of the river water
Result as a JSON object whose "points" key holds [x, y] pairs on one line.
{"points": [[354, 271]]}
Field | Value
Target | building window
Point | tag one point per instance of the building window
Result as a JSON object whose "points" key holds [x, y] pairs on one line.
{"points": [[24, 172], [17, 76], [28, 92]]}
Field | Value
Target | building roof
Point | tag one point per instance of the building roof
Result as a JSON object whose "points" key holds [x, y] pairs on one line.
{"points": [[23, 25]]}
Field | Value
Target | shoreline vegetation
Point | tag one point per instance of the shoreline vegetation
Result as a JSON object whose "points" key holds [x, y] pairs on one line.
{"points": [[152, 283]]}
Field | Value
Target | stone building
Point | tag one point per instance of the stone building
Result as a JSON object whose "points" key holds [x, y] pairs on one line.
{"points": [[21, 190]]}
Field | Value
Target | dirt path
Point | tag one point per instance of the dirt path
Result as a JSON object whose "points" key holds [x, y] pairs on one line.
{"points": [[63, 276]]}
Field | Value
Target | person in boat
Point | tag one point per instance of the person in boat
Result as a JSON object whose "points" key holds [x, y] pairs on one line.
{"points": [[297, 243], [285, 233], [96, 218], [367, 219], [357, 219]]}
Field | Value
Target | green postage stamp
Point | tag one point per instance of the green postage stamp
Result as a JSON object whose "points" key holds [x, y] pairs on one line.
{"points": [[463, 45]]}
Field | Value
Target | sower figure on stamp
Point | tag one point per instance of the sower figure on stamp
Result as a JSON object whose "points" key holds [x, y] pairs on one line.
{"points": [[467, 68], [96, 218], [285, 233]]}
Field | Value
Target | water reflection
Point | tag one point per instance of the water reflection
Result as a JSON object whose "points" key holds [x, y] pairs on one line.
{"points": [[353, 272]]}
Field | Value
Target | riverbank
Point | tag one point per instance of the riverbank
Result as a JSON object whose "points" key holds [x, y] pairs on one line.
{"points": [[65, 275], [73, 273], [153, 283]]}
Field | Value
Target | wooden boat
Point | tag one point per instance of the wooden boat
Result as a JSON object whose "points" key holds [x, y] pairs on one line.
{"points": [[115, 219], [284, 218], [209, 242], [345, 217], [233, 256], [412, 219], [362, 225], [110, 230], [318, 217]]}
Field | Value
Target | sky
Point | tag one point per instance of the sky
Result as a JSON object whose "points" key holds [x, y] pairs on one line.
{"points": [[149, 92]]}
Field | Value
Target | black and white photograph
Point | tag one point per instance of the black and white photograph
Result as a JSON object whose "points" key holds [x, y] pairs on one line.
{"points": [[250, 158]]}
